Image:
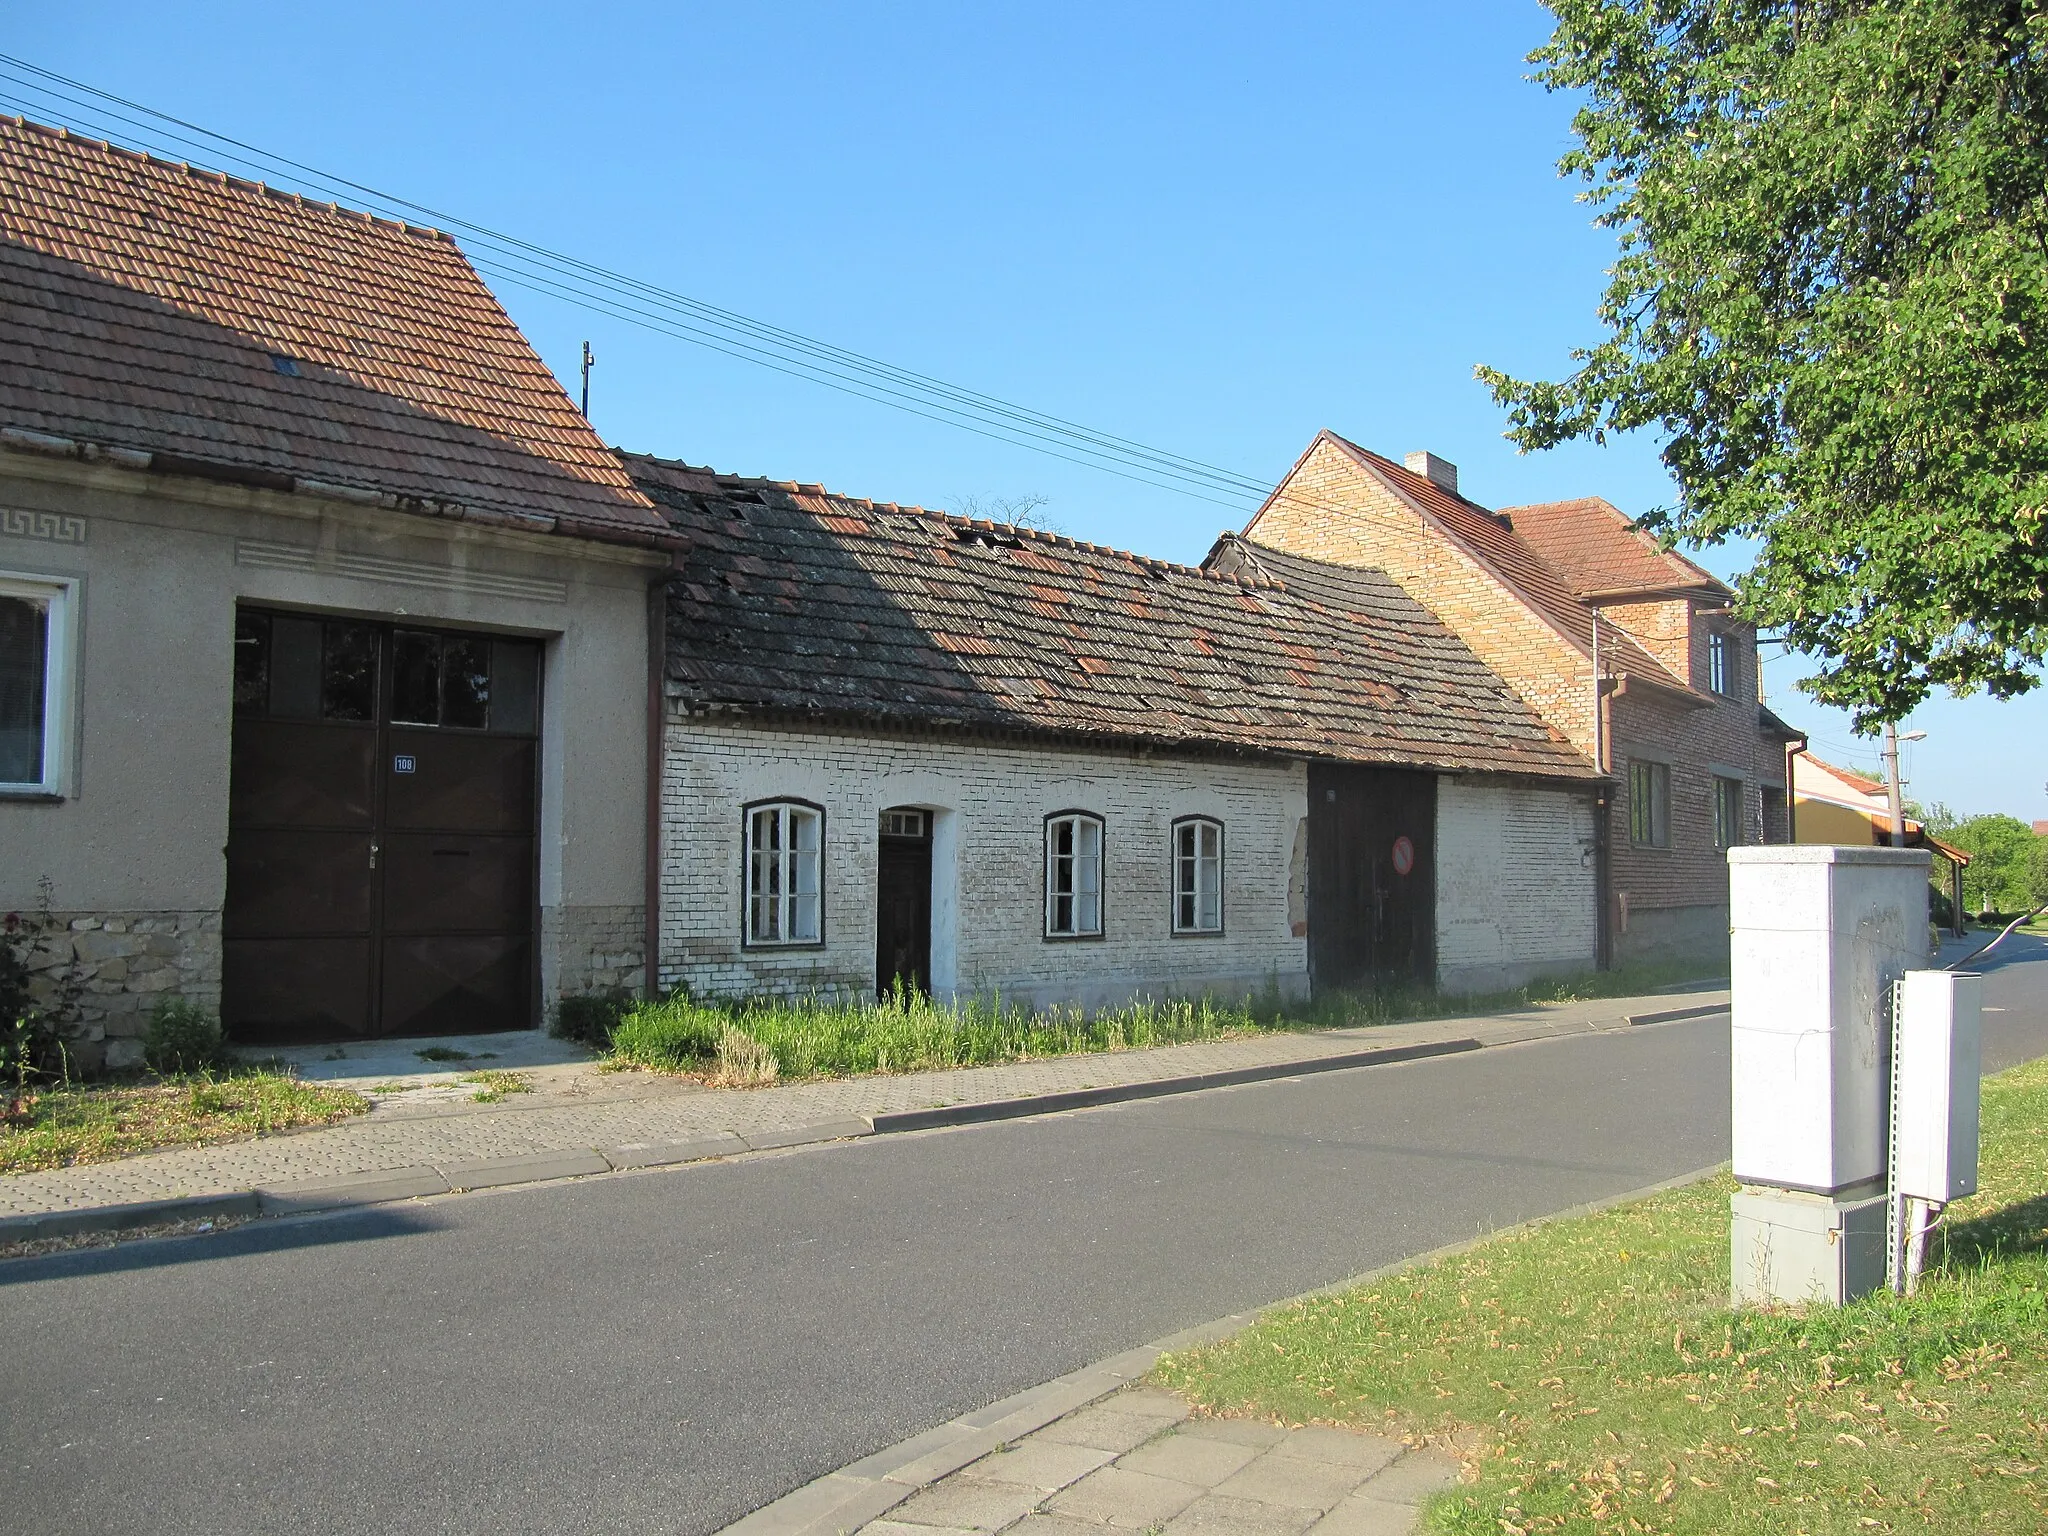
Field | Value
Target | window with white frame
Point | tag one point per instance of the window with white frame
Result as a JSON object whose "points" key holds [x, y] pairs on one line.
{"points": [[1197, 876], [1073, 876], [35, 670], [784, 843]]}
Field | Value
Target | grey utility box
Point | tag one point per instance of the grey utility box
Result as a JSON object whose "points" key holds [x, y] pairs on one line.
{"points": [[1940, 1061]]}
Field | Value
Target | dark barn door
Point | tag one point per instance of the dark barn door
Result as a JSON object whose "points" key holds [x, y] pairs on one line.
{"points": [[1371, 875], [380, 831], [903, 903]]}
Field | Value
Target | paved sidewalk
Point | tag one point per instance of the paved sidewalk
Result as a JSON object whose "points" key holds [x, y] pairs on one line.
{"points": [[635, 1119], [1137, 1461]]}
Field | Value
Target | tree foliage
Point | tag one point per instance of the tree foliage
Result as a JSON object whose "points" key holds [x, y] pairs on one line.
{"points": [[2008, 868], [1831, 301]]}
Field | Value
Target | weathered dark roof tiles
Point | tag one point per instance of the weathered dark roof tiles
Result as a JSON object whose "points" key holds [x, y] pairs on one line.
{"points": [[803, 603], [149, 306]]}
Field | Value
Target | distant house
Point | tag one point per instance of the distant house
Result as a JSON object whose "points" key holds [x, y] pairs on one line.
{"points": [[1694, 760], [324, 618], [906, 748], [1831, 804]]}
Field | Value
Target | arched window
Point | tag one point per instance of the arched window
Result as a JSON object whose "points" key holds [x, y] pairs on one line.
{"points": [[785, 900], [1073, 875], [1197, 875]]}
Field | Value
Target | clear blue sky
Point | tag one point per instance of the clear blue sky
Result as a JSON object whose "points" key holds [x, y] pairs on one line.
{"points": [[1213, 229]]}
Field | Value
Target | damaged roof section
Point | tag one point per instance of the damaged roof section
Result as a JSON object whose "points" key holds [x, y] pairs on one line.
{"points": [[794, 602], [203, 325]]}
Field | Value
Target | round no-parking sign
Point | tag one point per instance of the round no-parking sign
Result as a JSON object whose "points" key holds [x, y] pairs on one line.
{"points": [[1404, 855]]}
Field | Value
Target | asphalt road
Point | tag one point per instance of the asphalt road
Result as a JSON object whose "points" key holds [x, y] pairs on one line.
{"points": [[665, 1351]]}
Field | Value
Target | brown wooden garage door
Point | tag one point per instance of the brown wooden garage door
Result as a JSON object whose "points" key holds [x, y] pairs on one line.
{"points": [[380, 831], [1371, 875]]}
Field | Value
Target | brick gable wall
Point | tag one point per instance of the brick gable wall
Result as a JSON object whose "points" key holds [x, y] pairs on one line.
{"points": [[1330, 509]]}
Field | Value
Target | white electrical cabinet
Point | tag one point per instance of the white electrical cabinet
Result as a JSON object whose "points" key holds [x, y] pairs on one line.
{"points": [[1818, 936], [1934, 1134]]}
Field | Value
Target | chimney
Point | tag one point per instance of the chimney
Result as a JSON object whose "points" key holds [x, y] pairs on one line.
{"points": [[1441, 473]]}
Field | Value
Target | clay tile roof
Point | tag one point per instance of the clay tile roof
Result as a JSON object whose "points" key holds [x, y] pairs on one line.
{"points": [[836, 609], [208, 321], [1600, 550], [1529, 575]]}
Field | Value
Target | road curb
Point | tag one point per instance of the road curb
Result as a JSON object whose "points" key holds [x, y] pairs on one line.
{"points": [[843, 1501], [385, 1185], [892, 1121]]}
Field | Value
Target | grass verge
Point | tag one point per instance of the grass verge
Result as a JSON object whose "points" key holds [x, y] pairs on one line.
{"points": [[760, 1040], [98, 1123], [1595, 1377]]}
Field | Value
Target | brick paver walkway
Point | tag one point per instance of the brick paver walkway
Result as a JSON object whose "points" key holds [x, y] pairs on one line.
{"points": [[639, 1111], [1137, 1461]]}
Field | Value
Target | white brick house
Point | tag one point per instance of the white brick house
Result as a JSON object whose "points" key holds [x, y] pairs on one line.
{"points": [[990, 760]]}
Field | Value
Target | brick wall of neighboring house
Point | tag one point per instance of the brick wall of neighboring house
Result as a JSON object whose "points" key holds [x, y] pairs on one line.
{"points": [[1673, 900], [1515, 897], [1517, 892], [1663, 628], [1331, 510], [991, 800]]}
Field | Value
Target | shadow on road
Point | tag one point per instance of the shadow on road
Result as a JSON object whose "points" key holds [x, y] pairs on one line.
{"points": [[258, 1237]]}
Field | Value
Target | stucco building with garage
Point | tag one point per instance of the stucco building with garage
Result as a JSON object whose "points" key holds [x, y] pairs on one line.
{"points": [[899, 745], [325, 619], [1569, 601]]}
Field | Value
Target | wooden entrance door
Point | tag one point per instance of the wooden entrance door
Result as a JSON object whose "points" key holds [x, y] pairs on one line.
{"points": [[903, 903], [1371, 875], [380, 831]]}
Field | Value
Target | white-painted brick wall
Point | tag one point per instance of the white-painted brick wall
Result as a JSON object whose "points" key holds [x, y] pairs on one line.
{"points": [[989, 849], [1516, 892]]}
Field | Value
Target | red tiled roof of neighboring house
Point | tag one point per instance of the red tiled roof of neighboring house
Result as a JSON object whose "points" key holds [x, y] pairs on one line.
{"points": [[792, 601], [1527, 574], [224, 328], [1600, 550]]}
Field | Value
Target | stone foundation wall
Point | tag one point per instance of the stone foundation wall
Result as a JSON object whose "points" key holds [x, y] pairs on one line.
{"points": [[120, 963], [591, 949]]}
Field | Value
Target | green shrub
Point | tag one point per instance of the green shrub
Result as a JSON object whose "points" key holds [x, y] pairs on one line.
{"points": [[591, 1019], [183, 1037], [672, 1035]]}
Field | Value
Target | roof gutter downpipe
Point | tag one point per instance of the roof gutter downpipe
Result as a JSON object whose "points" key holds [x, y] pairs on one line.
{"points": [[657, 668], [1603, 809]]}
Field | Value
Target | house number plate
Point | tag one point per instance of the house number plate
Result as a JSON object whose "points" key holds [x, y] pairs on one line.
{"points": [[405, 762]]}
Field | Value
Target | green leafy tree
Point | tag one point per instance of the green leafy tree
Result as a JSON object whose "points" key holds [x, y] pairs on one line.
{"points": [[2008, 869], [1831, 302]]}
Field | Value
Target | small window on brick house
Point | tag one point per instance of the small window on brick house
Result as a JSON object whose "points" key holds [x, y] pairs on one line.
{"points": [[1722, 651], [1649, 804], [1197, 876], [1073, 876], [784, 902], [1728, 813]]}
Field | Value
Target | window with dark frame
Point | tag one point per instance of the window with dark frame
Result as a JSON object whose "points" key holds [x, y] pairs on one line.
{"points": [[1722, 652], [784, 857], [1073, 876], [297, 667], [1727, 813], [1197, 875], [1649, 803]]}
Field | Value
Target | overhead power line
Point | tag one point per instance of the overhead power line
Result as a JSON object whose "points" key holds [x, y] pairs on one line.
{"points": [[30, 90]]}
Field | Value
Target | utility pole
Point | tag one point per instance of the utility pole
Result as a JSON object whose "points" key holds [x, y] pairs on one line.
{"points": [[1891, 776], [589, 357]]}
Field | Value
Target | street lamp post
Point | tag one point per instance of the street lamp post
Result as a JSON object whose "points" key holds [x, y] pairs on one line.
{"points": [[1892, 738]]}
